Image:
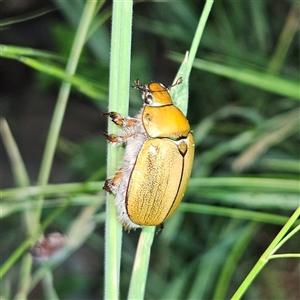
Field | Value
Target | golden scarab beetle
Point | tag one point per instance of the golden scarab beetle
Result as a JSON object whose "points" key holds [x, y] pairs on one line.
{"points": [[157, 162]]}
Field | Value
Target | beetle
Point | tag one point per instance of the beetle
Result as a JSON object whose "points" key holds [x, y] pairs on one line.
{"points": [[158, 159]]}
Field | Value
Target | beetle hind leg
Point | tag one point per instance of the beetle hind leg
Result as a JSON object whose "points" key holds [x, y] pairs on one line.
{"points": [[160, 229], [111, 185]]}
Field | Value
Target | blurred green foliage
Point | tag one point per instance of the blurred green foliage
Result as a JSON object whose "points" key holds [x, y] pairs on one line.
{"points": [[244, 133]]}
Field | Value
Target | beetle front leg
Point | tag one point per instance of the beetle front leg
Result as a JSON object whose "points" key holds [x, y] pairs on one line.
{"points": [[120, 121]]}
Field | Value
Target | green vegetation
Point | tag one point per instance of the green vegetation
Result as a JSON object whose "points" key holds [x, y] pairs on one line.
{"points": [[239, 220]]}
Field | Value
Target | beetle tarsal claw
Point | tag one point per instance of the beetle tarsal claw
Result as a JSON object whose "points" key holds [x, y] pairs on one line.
{"points": [[121, 121], [111, 137], [115, 117], [108, 186]]}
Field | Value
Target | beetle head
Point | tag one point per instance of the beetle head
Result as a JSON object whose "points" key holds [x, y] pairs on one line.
{"points": [[155, 93]]}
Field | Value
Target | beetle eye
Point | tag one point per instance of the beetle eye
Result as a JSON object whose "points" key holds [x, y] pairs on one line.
{"points": [[148, 99]]}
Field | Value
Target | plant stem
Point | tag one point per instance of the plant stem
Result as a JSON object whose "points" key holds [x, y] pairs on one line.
{"points": [[141, 264], [118, 101], [265, 256]]}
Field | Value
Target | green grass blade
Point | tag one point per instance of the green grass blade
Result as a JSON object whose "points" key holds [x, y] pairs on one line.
{"points": [[86, 86], [141, 264], [118, 101], [63, 99], [286, 238], [26, 17], [264, 81], [18, 167], [252, 184], [180, 94], [15, 52], [21, 178], [232, 260], [244, 214], [265, 256], [261, 80]]}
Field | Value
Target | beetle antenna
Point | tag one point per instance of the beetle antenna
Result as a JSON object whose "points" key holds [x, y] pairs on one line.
{"points": [[137, 85]]}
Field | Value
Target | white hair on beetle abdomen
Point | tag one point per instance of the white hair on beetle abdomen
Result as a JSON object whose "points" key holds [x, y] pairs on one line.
{"points": [[132, 149]]}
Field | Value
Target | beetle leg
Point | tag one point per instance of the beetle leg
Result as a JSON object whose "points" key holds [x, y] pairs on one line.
{"points": [[160, 229], [117, 139], [110, 185], [120, 121]]}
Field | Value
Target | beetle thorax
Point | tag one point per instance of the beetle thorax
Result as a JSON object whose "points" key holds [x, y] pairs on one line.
{"points": [[165, 121]]}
